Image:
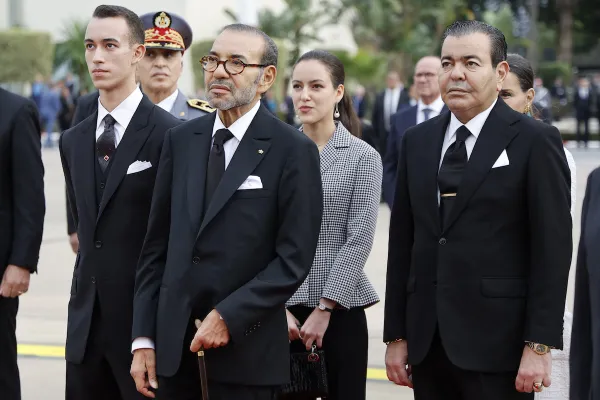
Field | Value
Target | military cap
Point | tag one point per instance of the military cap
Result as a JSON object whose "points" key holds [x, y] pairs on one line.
{"points": [[165, 30]]}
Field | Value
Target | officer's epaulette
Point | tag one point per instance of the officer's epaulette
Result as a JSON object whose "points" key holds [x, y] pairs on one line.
{"points": [[201, 105]]}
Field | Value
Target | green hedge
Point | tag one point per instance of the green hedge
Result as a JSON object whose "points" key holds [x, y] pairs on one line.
{"points": [[24, 54]]}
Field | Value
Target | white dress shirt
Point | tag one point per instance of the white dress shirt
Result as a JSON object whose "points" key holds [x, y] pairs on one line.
{"points": [[435, 107], [168, 103], [122, 115], [475, 125], [390, 104], [238, 129]]}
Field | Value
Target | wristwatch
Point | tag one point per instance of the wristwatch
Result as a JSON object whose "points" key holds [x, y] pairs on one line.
{"points": [[323, 307], [539, 348]]}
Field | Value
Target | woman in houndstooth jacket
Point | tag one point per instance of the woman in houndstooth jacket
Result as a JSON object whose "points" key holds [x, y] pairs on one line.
{"points": [[328, 309]]}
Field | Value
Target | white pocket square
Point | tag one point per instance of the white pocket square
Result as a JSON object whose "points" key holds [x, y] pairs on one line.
{"points": [[138, 166], [502, 161], [251, 182]]}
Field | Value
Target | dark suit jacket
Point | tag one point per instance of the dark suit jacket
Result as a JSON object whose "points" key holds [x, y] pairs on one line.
{"points": [[583, 107], [246, 257], [377, 118], [401, 121], [496, 276], [22, 202], [88, 104], [110, 233], [584, 358]]}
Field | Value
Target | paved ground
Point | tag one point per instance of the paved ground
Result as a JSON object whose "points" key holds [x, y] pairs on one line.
{"points": [[43, 313]]}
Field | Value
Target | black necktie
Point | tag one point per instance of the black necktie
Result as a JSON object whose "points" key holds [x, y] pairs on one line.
{"points": [[105, 145], [426, 113], [450, 174], [216, 164]]}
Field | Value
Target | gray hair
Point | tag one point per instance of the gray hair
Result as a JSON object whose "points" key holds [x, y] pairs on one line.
{"points": [[270, 54]]}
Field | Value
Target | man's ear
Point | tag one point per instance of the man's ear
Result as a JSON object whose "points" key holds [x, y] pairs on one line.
{"points": [[267, 79], [139, 53], [502, 70]]}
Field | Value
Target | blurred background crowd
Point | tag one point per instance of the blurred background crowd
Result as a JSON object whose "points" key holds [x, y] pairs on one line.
{"points": [[379, 41]]}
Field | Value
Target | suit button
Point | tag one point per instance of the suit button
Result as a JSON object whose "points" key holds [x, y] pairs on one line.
{"points": [[196, 260], [442, 241], [102, 185], [98, 244], [93, 279]]}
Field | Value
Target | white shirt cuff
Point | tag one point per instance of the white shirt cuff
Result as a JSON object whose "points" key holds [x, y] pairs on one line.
{"points": [[142, 343]]}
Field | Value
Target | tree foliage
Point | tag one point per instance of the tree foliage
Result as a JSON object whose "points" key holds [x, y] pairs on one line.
{"points": [[72, 51], [296, 24]]}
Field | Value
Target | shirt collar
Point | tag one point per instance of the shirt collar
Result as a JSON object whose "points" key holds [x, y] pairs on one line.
{"points": [[124, 111], [239, 127], [475, 125], [436, 106], [168, 103]]}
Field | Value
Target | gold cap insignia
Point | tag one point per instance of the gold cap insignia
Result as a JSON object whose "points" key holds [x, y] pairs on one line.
{"points": [[162, 20]]}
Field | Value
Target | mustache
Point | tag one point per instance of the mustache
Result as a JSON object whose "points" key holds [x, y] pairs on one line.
{"points": [[221, 82], [460, 85]]}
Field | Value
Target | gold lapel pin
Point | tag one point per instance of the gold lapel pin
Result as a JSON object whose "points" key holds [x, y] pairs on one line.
{"points": [[260, 151], [181, 114]]}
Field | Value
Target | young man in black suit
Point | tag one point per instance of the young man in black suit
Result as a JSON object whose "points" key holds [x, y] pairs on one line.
{"points": [[110, 161], [481, 227], [232, 234], [22, 210]]}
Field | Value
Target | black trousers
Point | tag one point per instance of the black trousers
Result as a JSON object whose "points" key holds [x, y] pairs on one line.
{"points": [[10, 383], [586, 129], [436, 378], [105, 371], [185, 384], [346, 347]]}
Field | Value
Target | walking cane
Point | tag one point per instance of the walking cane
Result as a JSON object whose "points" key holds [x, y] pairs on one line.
{"points": [[202, 368], [203, 379]]}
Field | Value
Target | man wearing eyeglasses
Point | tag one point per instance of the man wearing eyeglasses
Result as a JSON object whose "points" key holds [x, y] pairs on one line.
{"points": [[429, 105], [232, 234]]}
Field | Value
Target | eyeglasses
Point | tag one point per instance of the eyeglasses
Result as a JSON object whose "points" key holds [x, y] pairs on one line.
{"points": [[233, 66]]}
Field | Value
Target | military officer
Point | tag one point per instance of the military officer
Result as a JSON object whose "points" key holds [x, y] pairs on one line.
{"points": [[167, 37]]}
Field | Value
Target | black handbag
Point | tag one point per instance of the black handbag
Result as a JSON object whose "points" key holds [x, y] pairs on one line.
{"points": [[308, 375]]}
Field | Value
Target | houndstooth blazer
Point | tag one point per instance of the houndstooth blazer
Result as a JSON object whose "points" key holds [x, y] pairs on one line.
{"points": [[351, 172]]}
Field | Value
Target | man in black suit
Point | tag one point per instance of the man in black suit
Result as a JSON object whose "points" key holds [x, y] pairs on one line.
{"points": [[167, 37], [227, 251], [481, 232], [387, 103], [110, 163], [429, 105], [583, 102], [22, 210]]}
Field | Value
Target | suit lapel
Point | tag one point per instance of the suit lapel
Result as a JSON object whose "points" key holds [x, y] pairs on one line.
{"points": [[251, 151], [199, 150], [431, 167], [340, 139], [135, 136], [495, 136], [86, 164]]}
